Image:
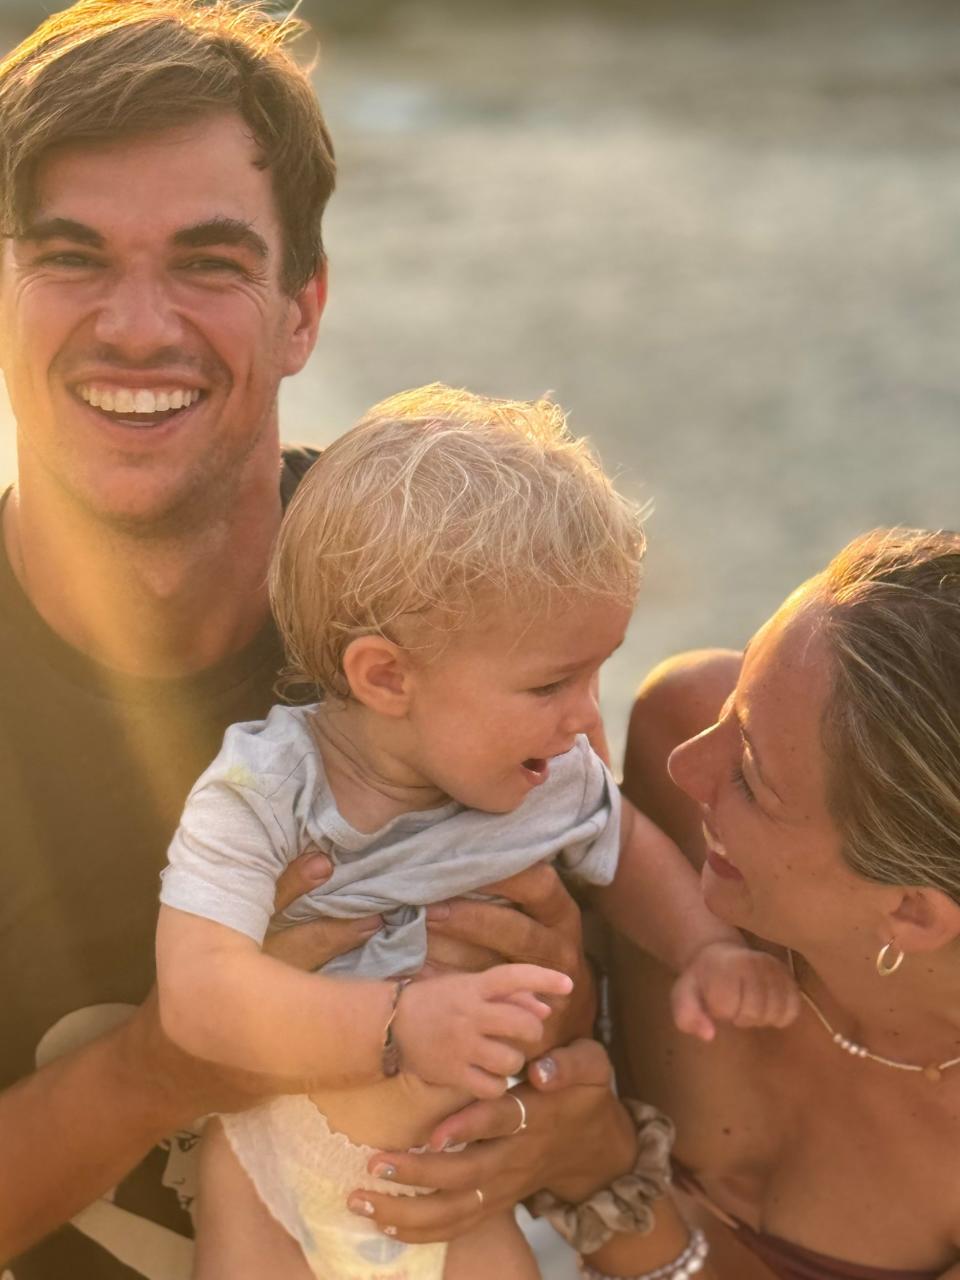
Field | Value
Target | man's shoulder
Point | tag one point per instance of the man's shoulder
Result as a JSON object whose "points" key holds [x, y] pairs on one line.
{"points": [[297, 461]]}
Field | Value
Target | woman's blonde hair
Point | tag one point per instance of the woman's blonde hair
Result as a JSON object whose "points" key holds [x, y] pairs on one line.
{"points": [[891, 619], [443, 506]]}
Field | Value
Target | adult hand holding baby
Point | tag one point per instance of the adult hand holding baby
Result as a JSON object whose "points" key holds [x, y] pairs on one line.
{"points": [[312, 944], [543, 927], [572, 1096]]}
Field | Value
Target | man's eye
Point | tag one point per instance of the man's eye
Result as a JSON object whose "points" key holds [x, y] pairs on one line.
{"points": [[215, 265], [69, 260]]}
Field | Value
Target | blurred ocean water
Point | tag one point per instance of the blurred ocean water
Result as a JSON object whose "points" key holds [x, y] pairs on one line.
{"points": [[723, 235]]}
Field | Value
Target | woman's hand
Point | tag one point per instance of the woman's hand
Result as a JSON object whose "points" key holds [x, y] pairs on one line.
{"points": [[543, 928], [569, 1098]]}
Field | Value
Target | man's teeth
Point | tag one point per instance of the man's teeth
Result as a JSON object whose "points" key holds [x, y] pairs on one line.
{"points": [[138, 400]]}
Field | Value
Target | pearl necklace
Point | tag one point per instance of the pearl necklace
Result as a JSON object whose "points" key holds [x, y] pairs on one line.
{"points": [[932, 1071]]}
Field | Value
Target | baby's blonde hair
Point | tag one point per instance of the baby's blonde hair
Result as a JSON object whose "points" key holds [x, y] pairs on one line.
{"points": [[443, 506]]}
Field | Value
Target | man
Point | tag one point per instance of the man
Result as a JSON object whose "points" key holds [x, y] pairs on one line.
{"points": [[163, 171]]}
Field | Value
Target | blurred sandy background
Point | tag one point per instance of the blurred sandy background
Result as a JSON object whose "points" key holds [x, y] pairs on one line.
{"points": [[724, 234]]}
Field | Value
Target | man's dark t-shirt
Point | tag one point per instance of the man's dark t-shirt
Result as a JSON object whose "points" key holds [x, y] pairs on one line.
{"points": [[94, 769]]}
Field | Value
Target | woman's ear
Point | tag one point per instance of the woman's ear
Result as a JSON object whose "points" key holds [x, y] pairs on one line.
{"points": [[379, 674], [924, 919]]}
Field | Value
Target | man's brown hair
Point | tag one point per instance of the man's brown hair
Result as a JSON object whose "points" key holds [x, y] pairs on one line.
{"points": [[106, 69]]}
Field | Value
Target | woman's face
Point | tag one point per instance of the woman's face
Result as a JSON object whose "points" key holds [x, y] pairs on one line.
{"points": [[773, 863]]}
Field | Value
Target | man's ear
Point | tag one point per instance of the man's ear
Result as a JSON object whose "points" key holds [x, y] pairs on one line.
{"points": [[923, 919], [306, 309], [379, 674]]}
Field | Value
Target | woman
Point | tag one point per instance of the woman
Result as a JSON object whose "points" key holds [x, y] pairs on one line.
{"points": [[824, 804]]}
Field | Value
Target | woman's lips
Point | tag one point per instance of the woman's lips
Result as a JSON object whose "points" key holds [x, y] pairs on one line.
{"points": [[717, 859]]}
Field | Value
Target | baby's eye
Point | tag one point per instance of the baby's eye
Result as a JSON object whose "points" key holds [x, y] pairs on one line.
{"points": [[544, 690], [740, 781]]}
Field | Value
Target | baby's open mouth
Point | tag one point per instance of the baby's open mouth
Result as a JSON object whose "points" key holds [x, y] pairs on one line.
{"points": [[536, 765]]}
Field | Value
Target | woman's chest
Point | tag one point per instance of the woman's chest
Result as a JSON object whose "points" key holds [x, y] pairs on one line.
{"points": [[789, 1134]]}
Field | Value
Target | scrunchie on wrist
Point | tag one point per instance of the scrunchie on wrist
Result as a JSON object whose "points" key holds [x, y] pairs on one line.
{"points": [[626, 1204]]}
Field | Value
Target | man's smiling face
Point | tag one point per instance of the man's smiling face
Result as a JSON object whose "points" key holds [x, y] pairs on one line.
{"points": [[143, 328]]}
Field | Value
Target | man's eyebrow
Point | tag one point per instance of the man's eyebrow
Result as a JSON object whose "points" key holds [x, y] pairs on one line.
{"points": [[61, 229], [222, 231]]}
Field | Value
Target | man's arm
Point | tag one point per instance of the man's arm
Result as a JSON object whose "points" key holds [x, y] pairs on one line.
{"points": [[78, 1126]]}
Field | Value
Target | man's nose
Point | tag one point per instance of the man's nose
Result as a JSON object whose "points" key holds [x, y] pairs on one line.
{"points": [[137, 318]]}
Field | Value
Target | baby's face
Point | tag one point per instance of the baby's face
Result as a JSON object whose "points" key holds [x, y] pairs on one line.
{"points": [[500, 701]]}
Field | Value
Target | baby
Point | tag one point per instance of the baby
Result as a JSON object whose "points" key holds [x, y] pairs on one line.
{"points": [[449, 578]]}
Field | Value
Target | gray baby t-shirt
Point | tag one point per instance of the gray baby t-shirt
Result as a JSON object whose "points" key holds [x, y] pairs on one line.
{"points": [[265, 800]]}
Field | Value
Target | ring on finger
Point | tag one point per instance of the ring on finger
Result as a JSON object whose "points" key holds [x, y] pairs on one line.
{"points": [[522, 1122], [479, 1194]]}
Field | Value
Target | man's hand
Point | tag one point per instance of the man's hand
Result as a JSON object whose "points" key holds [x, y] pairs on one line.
{"points": [[543, 928], [727, 982], [308, 946], [570, 1097]]}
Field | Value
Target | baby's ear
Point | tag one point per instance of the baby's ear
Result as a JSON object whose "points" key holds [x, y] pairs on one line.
{"points": [[378, 672]]}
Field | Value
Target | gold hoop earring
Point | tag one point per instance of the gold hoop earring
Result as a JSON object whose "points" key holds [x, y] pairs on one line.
{"points": [[883, 967]]}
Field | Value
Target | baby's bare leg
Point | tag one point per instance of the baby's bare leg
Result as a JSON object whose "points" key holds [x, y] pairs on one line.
{"points": [[497, 1247], [237, 1236]]}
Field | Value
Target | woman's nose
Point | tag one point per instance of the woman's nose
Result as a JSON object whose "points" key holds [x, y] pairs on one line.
{"points": [[694, 765]]}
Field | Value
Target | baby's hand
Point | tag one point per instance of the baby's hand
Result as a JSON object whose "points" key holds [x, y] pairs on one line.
{"points": [[727, 982], [472, 1030]]}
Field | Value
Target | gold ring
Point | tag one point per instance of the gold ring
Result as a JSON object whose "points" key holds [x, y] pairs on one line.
{"points": [[523, 1115], [479, 1194]]}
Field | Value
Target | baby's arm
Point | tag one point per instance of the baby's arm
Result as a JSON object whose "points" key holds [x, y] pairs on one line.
{"points": [[655, 900], [223, 999]]}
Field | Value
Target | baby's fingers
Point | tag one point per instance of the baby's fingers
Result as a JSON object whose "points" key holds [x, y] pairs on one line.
{"points": [[527, 1000], [508, 1022], [506, 980], [486, 1084], [498, 1058], [689, 1012], [769, 999], [784, 1004]]}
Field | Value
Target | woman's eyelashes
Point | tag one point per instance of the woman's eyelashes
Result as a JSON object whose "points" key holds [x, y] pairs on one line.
{"points": [[742, 784]]}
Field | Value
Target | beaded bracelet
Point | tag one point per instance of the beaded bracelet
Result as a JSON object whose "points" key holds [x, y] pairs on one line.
{"points": [[681, 1268]]}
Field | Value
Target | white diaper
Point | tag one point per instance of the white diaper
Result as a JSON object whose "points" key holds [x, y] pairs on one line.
{"points": [[303, 1172]]}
